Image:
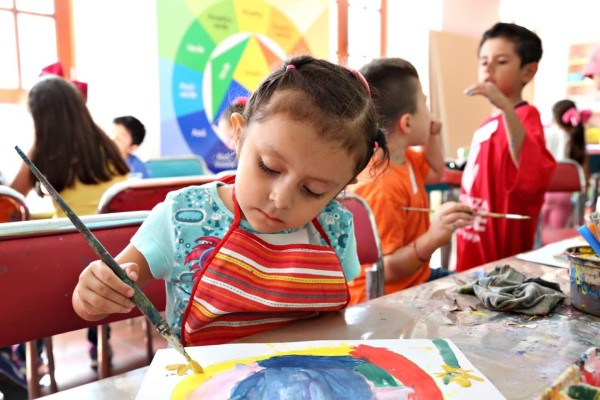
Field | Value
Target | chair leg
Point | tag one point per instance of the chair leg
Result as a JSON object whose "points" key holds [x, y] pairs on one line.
{"points": [[103, 357], [31, 363], [50, 357], [375, 281]]}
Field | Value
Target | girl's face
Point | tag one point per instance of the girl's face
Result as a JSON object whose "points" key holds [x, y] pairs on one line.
{"points": [[286, 173]]}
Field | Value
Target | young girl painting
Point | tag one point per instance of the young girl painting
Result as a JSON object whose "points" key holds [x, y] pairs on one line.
{"points": [[271, 245]]}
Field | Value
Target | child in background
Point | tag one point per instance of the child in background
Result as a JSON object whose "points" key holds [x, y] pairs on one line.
{"points": [[565, 139], [408, 238], [225, 127], [74, 153], [509, 167], [128, 134], [270, 245]]}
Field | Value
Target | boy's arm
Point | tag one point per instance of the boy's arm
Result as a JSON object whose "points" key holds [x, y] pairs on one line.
{"points": [[515, 133], [434, 154]]}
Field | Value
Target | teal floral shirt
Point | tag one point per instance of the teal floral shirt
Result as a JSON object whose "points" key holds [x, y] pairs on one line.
{"points": [[181, 232]]}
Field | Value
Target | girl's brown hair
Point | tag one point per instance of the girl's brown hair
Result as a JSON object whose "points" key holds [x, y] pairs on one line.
{"points": [[69, 146], [332, 97], [576, 144]]}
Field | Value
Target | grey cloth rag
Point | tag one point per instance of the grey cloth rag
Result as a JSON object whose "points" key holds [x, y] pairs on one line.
{"points": [[506, 289]]}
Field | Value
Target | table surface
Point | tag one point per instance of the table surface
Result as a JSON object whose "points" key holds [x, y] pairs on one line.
{"points": [[519, 354]]}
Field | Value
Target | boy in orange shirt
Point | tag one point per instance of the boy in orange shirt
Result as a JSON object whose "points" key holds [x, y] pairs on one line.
{"points": [[408, 237]]}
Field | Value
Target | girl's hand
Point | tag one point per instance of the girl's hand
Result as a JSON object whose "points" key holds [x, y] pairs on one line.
{"points": [[448, 218], [491, 92], [100, 291]]}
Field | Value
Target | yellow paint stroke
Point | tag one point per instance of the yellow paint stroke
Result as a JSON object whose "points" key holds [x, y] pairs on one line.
{"points": [[458, 375], [479, 313], [182, 369], [192, 382]]}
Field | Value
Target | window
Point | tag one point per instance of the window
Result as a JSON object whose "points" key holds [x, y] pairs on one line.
{"points": [[361, 31], [35, 33]]}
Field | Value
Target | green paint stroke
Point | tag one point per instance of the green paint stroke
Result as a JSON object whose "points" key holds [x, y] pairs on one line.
{"points": [[446, 353], [377, 376], [584, 392]]}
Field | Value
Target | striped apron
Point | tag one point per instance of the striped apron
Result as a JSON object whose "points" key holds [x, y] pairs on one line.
{"points": [[248, 285]]}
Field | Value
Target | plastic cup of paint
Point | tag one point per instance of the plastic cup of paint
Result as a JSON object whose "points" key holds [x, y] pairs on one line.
{"points": [[584, 274]]}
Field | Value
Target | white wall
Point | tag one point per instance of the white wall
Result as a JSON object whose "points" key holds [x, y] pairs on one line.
{"points": [[116, 52], [563, 24], [409, 24]]}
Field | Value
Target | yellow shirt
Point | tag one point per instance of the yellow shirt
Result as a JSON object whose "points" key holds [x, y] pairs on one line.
{"points": [[84, 198]]}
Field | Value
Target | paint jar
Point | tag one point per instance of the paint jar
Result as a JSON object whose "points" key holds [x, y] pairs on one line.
{"points": [[584, 272]]}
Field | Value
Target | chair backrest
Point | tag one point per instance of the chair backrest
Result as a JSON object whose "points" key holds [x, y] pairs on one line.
{"points": [[144, 194], [12, 205], [40, 263], [172, 166], [568, 176], [368, 242]]}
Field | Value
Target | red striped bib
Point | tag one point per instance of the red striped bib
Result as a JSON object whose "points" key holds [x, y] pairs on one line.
{"points": [[248, 285]]}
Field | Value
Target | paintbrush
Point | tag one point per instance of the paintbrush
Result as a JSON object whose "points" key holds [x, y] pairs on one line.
{"points": [[139, 298], [478, 213]]}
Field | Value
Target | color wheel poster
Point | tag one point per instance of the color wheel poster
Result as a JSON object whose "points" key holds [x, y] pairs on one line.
{"points": [[212, 51]]}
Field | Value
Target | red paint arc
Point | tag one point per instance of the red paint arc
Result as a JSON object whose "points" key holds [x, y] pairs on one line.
{"points": [[402, 369]]}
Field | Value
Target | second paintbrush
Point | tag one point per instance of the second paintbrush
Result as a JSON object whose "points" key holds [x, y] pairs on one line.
{"points": [[478, 213]]}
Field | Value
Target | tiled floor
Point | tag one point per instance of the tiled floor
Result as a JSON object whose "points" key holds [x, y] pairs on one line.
{"points": [[72, 360]]}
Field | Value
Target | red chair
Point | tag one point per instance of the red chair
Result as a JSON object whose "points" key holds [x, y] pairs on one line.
{"points": [[144, 194], [40, 263], [368, 242], [567, 177], [12, 205]]}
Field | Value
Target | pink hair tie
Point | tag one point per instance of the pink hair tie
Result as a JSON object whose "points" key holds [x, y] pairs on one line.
{"points": [[571, 116], [290, 66], [240, 101], [376, 146], [574, 117], [585, 115], [57, 69], [361, 79]]}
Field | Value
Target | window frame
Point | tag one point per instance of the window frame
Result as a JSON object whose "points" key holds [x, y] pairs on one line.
{"points": [[64, 45], [342, 28]]}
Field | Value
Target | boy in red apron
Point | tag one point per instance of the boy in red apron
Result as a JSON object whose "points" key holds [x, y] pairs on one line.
{"points": [[244, 255]]}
